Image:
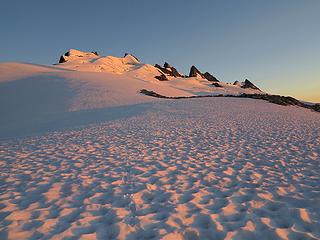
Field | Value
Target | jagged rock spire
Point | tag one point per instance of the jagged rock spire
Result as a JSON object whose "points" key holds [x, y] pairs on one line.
{"points": [[248, 84], [194, 72], [169, 70], [210, 78], [166, 65], [62, 59]]}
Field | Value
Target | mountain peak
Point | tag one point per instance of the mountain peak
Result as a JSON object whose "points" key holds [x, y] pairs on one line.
{"points": [[169, 70], [166, 65], [248, 84], [74, 53], [129, 55], [194, 72], [131, 66], [210, 78]]}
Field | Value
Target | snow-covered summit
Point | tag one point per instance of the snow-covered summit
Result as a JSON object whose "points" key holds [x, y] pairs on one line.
{"points": [[128, 64], [195, 83], [92, 62], [87, 81]]}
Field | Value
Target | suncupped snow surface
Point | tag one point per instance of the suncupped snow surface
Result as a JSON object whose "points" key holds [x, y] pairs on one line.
{"points": [[84, 155], [215, 168]]}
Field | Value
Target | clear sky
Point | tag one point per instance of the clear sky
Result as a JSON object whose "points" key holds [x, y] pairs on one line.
{"points": [[274, 43]]}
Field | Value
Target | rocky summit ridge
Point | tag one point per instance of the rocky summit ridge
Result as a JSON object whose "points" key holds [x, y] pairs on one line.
{"points": [[130, 64]]}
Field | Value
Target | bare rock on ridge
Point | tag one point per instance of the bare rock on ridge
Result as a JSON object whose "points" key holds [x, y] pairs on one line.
{"points": [[216, 84], [248, 84], [166, 65], [210, 78], [236, 83], [194, 72], [72, 52], [161, 77], [62, 59], [129, 54], [169, 70]]}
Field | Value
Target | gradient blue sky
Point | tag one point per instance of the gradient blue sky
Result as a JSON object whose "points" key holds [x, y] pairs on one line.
{"points": [[274, 43]]}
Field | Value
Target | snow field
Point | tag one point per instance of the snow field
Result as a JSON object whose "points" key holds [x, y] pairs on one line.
{"points": [[215, 168]]}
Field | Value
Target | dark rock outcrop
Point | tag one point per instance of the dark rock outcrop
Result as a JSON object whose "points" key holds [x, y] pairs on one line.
{"points": [[194, 72], [162, 77], [62, 59], [126, 54], [236, 83], [275, 99], [281, 100], [166, 65], [175, 73], [210, 78], [315, 107], [169, 70], [157, 95], [152, 93], [216, 84], [248, 84], [164, 70], [158, 66]]}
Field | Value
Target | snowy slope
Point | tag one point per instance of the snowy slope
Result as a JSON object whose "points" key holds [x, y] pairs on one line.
{"points": [[89, 157], [33, 96], [214, 168]]}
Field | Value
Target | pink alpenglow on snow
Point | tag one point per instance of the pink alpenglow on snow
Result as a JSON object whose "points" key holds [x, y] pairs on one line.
{"points": [[85, 155]]}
